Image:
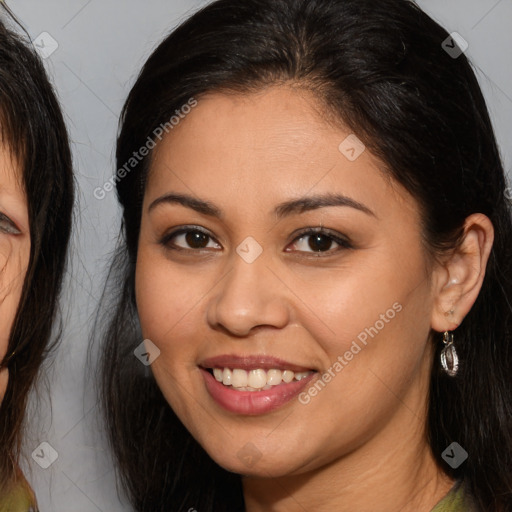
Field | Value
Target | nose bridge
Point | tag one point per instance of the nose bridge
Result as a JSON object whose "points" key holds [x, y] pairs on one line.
{"points": [[249, 295]]}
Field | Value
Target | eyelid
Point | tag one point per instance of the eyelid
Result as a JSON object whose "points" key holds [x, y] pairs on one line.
{"points": [[184, 229], [323, 231]]}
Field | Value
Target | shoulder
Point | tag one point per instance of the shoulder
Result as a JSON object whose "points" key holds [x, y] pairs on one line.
{"points": [[19, 497], [457, 500]]}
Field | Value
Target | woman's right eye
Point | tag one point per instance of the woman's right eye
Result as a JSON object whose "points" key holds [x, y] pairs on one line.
{"points": [[195, 238], [8, 226]]}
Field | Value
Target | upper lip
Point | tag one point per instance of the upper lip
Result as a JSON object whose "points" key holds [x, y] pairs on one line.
{"points": [[251, 362]]}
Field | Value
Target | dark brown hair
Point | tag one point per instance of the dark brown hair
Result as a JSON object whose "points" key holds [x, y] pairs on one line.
{"points": [[33, 129]]}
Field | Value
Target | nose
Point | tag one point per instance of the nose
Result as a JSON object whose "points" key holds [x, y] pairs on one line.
{"points": [[250, 296]]}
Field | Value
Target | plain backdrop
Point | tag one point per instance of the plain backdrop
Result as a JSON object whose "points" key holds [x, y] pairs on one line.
{"points": [[99, 47]]}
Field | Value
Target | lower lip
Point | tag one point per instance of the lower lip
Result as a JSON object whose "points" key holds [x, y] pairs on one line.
{"points": [[253, 402]]}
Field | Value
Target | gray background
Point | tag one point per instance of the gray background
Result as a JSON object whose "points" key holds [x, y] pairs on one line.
{"points": [[101, 46]]}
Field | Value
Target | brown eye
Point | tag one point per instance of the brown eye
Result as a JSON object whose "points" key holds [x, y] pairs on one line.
{"points": [[196, 239], [320, 241], [186, 239]]}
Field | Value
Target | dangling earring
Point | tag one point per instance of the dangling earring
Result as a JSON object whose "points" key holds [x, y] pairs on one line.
{"points": [[449, 357]]}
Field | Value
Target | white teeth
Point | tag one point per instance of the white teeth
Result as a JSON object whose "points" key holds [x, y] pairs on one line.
{"points": [[256, 380], [274, 377], [227, 375], [288, 376], [239, 379]]}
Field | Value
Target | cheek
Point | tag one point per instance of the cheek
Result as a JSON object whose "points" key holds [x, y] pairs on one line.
{"points": [[169, 304], [13, 268], [168, 299], [372, 322], [374, 294], [6, 259]]}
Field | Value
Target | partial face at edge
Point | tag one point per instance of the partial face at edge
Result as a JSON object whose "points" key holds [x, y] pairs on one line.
{"points": [[304, 300], [14, 250]]}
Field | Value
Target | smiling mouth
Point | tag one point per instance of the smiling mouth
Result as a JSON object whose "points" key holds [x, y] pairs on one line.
{"points": [[255, 380], [253, 385]]}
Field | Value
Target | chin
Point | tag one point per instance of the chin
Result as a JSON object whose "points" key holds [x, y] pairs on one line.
{"points": [[250, 461]]}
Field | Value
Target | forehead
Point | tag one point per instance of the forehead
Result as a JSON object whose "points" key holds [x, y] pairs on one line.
{"points": [[262, 146], [288, 118]]}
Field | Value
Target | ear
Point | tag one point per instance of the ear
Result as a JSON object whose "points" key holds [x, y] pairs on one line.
{"points": [[458, 280]]}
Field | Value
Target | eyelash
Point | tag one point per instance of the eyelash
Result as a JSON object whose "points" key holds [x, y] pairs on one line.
{"points": [[343, 243], [11, 228]]}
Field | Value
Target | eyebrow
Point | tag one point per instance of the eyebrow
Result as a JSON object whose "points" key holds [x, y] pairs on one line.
{"points": [[285, 209]]}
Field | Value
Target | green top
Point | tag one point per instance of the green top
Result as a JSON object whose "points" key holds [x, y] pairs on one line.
{"points": [[20, 498], [457, 500]]}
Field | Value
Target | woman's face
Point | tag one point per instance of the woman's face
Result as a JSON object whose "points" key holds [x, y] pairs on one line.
{"points": [[14, 250], [248, 295]]}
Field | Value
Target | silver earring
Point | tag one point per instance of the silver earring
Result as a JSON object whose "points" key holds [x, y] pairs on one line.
{"points": [[449, 357]]}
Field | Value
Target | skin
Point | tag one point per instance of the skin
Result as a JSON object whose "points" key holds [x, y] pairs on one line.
{"points": [[14, 250], [360, 443]]}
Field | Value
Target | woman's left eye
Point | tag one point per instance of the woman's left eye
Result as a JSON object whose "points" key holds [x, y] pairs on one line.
{"points": [[319, 241]]}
